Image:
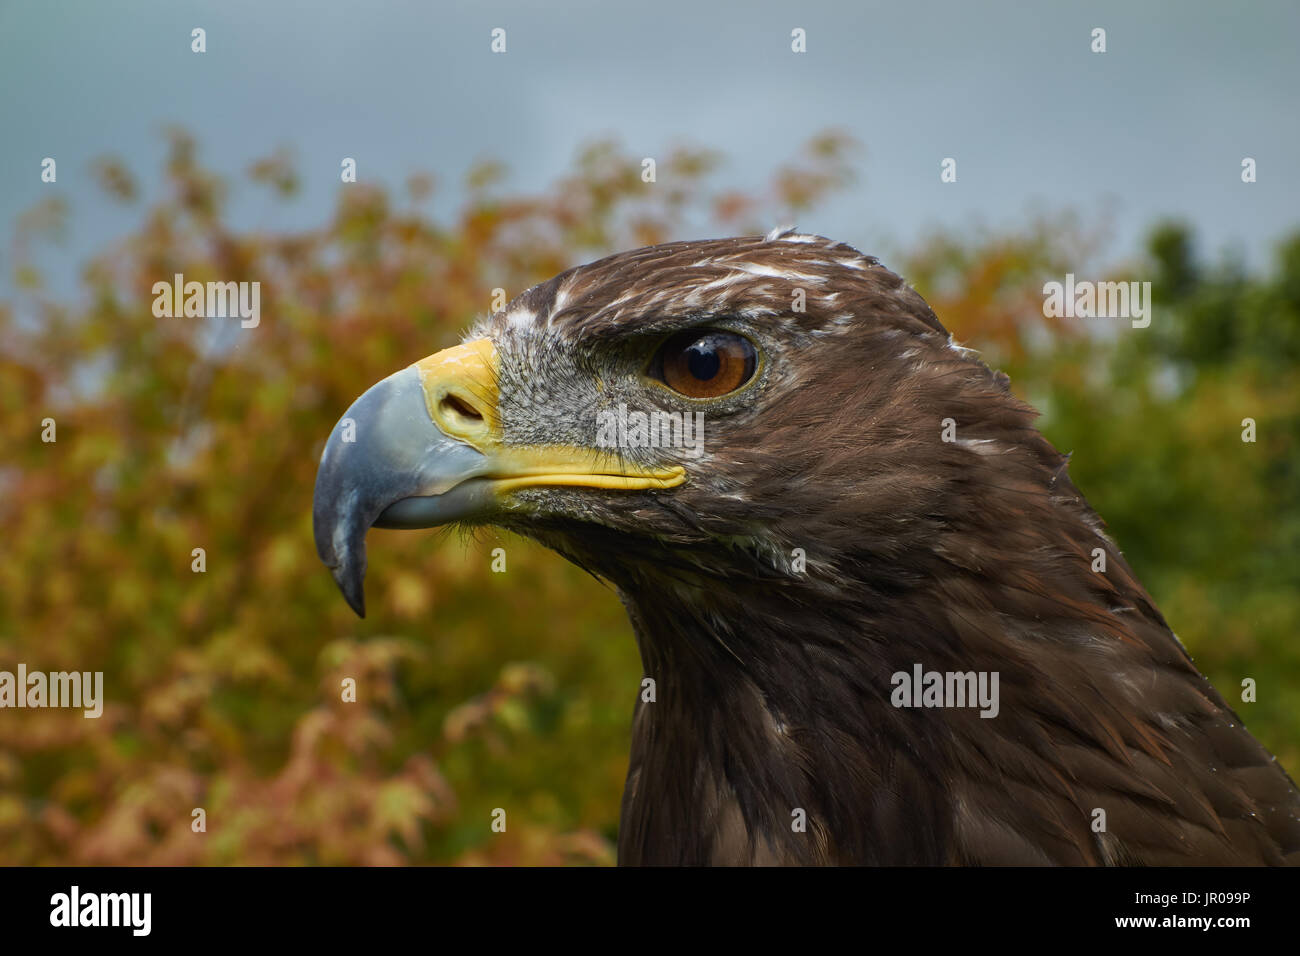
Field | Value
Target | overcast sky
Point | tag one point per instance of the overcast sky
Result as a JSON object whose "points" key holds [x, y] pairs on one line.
{"points": [[1157, 126]]}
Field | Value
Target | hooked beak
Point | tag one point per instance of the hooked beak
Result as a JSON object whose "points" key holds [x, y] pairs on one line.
{"points": [[423, 448]]}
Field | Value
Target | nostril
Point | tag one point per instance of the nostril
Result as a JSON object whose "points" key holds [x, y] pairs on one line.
{"points": [[459, 407]]}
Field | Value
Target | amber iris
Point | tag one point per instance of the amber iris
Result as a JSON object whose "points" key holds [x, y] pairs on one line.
{"points": [[706, 364]]}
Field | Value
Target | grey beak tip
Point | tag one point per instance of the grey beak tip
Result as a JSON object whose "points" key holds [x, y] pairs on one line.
{"points": [[356, 598], [350, 576], [398, 470]]}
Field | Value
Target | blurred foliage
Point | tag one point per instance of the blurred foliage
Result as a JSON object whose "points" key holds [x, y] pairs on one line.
{"points": [[476, 690]]}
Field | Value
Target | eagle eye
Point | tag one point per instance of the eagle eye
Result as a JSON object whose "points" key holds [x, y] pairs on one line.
{"points": [[705, 364]]}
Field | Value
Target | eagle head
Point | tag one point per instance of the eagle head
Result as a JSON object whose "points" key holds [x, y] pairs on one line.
{"points": [[802, 488]]}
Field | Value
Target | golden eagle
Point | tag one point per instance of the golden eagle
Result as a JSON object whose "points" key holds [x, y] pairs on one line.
{"points": [[883, 625]]}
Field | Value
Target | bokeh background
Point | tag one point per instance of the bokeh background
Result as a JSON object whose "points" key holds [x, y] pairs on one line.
{"points": [[478, 171]]}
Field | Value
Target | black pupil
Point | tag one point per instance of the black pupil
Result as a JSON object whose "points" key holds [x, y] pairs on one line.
{"points": [[703, 360]]}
